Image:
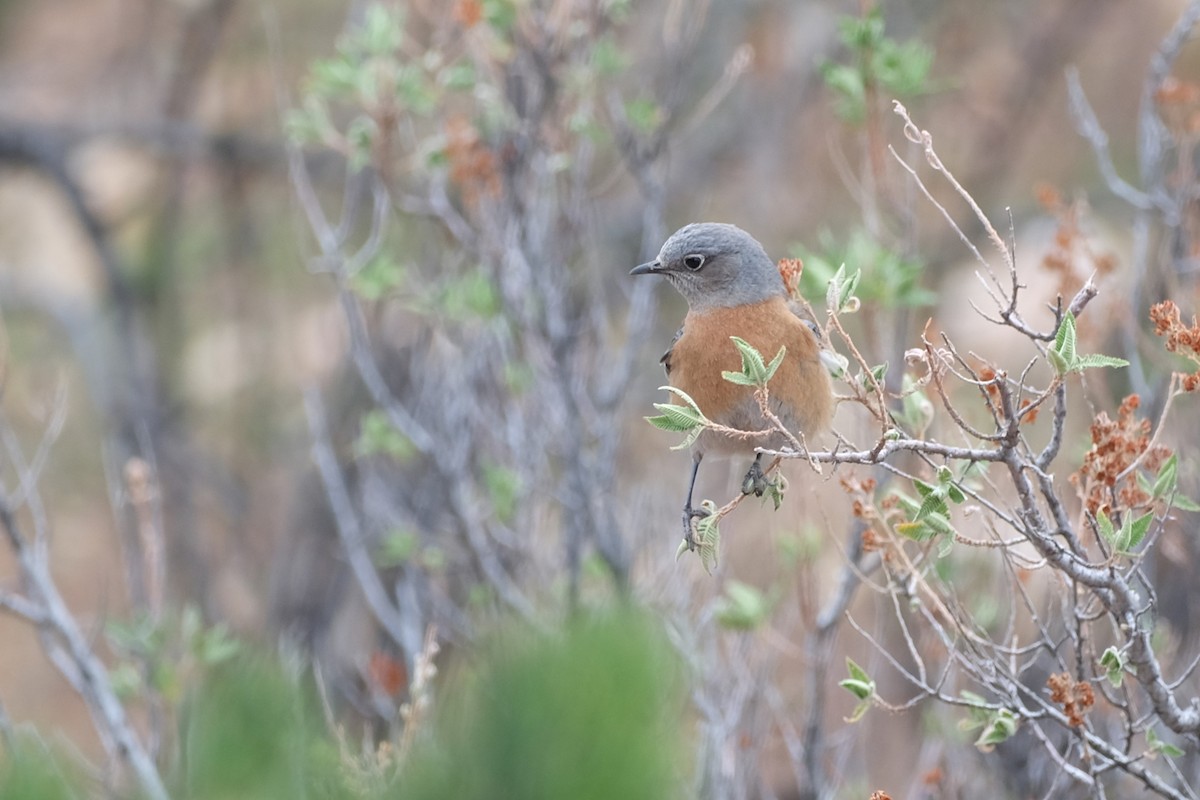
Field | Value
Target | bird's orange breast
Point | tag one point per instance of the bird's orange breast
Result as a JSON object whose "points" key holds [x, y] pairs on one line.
{"points": [[800, 390]]}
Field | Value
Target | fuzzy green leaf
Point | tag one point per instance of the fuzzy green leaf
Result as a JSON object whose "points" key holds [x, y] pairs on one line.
{"points": [[1107, 530], [775, 362], [742, 607], [1064, 340], [1165, 481], [1156, 745], [675, 418], [1097, 360], [741, 379], [1001, 726], [753, 365], [1184, 503], [1137, 531], [1113, 662]]}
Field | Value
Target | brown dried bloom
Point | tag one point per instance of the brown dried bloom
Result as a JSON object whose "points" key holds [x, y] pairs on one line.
{"points": [[1181, 339], [468, 13], [1075, 697], [791, 269], [1116, 444], [472, 163], [1072, 256]]}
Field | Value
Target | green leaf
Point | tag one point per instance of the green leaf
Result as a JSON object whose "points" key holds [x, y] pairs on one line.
{"points": [[675, 418], [1156, 745], [708, 537], [1096, 360], [459, 76], [1107, 530], [1137, 531], [1113, 663], [397, 548], [377, 436], [1184, 503], [380, 276], [217, 645], [607, 57], [1060, 364], [742, 607], [753, 365], [126, 680], [1065, 359], [644, 115], [860, 689], [775, 491], [939, 522], [847, 291], [470, 296], [741, 379], [932, 504], [501, 15], [1001, 726], [917, 531], [382, 31], [503, 485], [978, 713], [1164, 482], [1064, 340], [857, 672], [777, 360], [861, 686]]}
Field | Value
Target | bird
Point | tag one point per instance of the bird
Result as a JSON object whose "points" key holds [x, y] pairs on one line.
{"points": [[733, 288]]}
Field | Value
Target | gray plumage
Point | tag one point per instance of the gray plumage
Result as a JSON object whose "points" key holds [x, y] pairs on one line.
{"points": [[733, 268]]}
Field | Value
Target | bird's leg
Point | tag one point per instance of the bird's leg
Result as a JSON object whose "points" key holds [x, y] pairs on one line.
{"points": [[690, 513], [755, 482]]}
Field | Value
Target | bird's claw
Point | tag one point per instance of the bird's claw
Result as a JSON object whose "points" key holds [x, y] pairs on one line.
{"points": [[755, 482], [689, 514]]}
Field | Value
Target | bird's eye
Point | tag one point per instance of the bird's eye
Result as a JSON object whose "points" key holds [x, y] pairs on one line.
{"points": [[693, 262]]}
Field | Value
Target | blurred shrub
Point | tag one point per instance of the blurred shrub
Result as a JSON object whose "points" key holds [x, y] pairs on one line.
{"points": [[888, 279], [877, 65], [593, 711], [31, 771]]}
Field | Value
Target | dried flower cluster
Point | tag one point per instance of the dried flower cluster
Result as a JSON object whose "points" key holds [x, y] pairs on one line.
{"points": [[1072, 257], [1179, 104], [1181, 339], [1075, 697], [1116, 445], [791, 269], [472, 163]]}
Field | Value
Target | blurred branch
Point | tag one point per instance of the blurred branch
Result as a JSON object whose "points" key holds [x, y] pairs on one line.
{"points": [[1089, 128], [350, 532], [67, 646]]}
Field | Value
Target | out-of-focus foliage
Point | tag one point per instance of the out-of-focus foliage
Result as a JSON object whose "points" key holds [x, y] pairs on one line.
{"points": [[29, 770], [592, 711], [878, 65], [888, 279]]}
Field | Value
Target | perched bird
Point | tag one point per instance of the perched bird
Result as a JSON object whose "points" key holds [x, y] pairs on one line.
{"points": [[734, 289]]}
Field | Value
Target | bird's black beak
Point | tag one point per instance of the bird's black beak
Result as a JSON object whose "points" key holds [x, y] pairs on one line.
{"points": [[646, 269]]}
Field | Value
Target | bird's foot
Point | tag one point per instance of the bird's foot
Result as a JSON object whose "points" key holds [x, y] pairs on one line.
{"points": [[755, 482], [689, 528]]}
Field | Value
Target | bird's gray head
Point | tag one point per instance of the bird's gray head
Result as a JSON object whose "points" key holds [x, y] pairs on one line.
{"points": [[714, 265]]}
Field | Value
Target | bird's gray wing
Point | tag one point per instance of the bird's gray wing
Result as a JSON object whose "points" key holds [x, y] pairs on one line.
{"points": [[666, 357], [806, 316]]}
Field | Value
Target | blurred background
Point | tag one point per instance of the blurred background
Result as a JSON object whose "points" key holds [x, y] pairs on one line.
{"points": [[163, 276]]}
